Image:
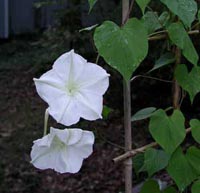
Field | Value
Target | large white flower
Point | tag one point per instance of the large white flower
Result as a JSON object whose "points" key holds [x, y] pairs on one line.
{"points": [[62, 150], [73, 88]]}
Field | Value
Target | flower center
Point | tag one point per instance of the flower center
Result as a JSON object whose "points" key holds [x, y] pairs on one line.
{"points": [[72, 89], [58, 144]]}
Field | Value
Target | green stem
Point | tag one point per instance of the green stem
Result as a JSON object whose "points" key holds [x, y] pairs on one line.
{"points": [[46, 118]]}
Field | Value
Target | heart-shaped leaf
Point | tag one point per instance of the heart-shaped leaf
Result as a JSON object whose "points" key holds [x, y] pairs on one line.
{"points": [[123, 48], [143, 114], [189, 81], [151, 21], [91, 4], [179, 37], [170, 190], [185, 9], [155, 160], [151, 186], [164, 18], [196, 187], [169, 132], [198, 15], [180, 170], [193, 156], [164, 60], [138, 162], [142, 4], [195, 125]]}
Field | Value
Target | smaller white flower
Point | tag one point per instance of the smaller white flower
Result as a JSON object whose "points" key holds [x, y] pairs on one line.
{"points": [[62, 150], [73, 88]]}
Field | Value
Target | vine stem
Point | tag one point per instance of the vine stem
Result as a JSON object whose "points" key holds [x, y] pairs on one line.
{"points": [[161, 36], [127, 114], [176, 87]]}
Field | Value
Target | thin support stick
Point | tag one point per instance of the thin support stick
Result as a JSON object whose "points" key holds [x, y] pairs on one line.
{"points": [[128, 136], [127, 115], [133, 152]]}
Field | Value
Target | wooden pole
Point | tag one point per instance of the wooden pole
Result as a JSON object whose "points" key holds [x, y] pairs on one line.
{"points": [[127, 114]]}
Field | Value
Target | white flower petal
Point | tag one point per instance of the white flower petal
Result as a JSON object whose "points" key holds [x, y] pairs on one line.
{"points": [[45, 141], [75, 136], [87, 138], [73, 159], [94, 78], [84, 146], [65, 111], [43, 157], [63, 136], [66, 150], [90, 105], [49, 86], [69, 65]]}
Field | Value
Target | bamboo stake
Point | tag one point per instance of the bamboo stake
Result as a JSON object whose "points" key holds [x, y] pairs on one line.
{"points": [[127, 114], [133, 152]]}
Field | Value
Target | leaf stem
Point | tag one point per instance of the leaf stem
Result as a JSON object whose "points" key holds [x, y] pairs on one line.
{"points": [[158, 32], [150, 77]]}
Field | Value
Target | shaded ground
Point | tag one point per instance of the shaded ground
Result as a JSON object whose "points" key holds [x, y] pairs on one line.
{"points": [[21, 122]]}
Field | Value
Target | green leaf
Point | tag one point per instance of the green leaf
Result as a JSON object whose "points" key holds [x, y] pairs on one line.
{"points": [[142, 4], [164, 60], [195, 125], [143, 114], [88, 28], [196, 187], [150, 186], [198, 15], [170, 190], [169, 132], [180, 170], [179, 37], [138, 162], [164, 18], [106, 111], [91, 4], [185, 9], [155, 160], [189, 81], [193, 156], [151, 21], [123, 48]]}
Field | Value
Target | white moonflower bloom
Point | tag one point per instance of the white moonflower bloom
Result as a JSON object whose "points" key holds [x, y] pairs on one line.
{"points": [[62, 150], [73, 88]]}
